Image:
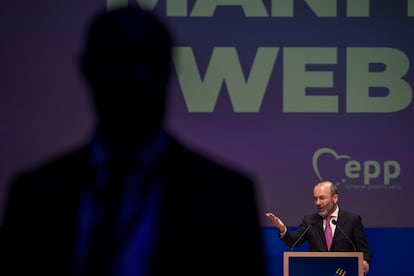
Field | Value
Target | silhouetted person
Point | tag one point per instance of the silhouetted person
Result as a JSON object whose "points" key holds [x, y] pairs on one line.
{"points": [[133, 201]]}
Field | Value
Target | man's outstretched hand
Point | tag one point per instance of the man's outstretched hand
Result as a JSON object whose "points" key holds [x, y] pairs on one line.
{"points": [[277, 222]]}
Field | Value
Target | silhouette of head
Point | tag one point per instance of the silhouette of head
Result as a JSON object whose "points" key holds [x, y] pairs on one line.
{"points": [[127, 61]]}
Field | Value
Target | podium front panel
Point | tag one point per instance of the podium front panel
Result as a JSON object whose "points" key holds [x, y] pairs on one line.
{"points": [[322, 263]]}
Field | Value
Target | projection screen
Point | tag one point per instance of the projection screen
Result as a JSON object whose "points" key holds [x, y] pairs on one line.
{"points": [[288, 91]]}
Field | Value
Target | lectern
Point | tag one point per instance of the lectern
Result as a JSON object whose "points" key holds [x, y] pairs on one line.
{"points": [[322, 263]]}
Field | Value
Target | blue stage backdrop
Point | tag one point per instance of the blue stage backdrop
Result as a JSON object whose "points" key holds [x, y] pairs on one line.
{"points": [[290, 91]]}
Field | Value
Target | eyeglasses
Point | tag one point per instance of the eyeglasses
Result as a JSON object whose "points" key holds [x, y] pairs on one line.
{"points": [[322, 198]]}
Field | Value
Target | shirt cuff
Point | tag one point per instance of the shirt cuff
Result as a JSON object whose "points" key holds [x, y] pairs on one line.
{"points": [[283, 233]]}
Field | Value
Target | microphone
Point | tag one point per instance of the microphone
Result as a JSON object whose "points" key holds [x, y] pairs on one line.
{"points": [[334, 222], [300, 237]]}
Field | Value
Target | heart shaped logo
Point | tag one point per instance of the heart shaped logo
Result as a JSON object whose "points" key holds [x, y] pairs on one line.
{"points": [[321, 152]]}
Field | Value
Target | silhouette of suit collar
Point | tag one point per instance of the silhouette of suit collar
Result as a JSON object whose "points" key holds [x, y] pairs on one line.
{"points": [[146, 156]]}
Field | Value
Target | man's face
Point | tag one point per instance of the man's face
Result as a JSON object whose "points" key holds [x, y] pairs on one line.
{"points": [[129, 98], [127, 66], [325, 202]]}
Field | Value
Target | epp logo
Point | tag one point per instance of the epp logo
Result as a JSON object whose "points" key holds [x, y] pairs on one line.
{"points": [[367, 171]]}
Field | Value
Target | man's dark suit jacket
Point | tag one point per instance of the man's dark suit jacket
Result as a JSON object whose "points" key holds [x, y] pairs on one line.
{"points": [[208, 223], [350, 223]]}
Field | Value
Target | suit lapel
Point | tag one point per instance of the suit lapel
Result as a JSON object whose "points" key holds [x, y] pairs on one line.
{"points": [[337, 231]]}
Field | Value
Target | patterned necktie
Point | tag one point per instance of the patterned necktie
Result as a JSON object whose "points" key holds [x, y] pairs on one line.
{"points": [[328, 232]]}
